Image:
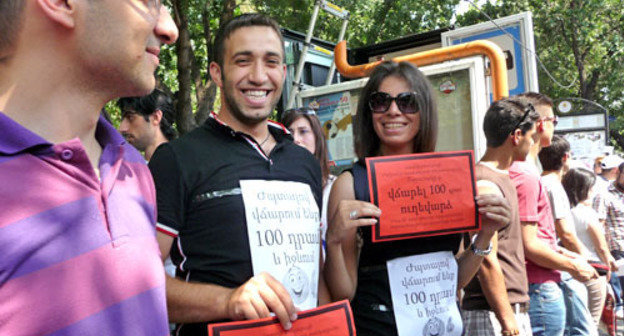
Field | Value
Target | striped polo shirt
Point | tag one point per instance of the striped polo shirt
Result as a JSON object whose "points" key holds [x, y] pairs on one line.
{"points": [[78, 254]]}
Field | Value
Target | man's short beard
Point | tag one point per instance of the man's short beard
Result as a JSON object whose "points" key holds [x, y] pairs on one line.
{"points": [[239, 115], [237, 112]]}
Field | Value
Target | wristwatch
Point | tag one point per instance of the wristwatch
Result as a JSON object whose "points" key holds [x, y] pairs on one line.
{"points": [[477, 251]]}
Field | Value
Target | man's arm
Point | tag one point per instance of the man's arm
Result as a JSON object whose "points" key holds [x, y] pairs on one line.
{"points": [[567, 235], [541, 254], [495, 213], [198, 302], [560, 207], [494, 288], [491, 275]]}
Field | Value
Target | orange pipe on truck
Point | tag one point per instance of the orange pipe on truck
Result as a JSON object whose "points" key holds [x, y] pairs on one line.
{"points": [[489, 49]]}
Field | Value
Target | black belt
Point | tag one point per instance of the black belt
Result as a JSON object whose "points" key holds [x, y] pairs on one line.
{"points": [[521, 307]]}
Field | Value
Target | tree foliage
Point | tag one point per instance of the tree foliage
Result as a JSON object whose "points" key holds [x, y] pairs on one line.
{"points": [[579, 42], [370, 21], [197, 22]]}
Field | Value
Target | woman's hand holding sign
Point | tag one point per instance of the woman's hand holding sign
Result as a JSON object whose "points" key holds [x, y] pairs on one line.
{"points": [[350, 215]]}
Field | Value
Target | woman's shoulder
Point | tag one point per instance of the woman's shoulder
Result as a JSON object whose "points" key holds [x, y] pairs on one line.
{"points": [[584, 212]]}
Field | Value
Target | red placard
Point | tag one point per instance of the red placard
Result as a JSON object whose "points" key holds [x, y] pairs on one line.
{"points": [[423, 194], [334, 319]]}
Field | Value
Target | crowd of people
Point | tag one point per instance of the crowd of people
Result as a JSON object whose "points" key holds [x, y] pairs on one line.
{"points": [[87, 226]]}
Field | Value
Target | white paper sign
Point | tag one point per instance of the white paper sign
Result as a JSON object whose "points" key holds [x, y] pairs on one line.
{"points": [[283, 225], [423, 289]]}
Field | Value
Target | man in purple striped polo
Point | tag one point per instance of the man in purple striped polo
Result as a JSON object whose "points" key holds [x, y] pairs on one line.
{"points": [[77, 203]]}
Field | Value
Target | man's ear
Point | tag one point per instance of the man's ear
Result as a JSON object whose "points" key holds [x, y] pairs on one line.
{"points": [[566, 157], [60, 11], [540, 126], [515, 137], [156, 117], [215, 74]]}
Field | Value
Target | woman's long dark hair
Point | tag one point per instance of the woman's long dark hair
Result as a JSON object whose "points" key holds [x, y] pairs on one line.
{"points": [[577, 182], [366, 141]]}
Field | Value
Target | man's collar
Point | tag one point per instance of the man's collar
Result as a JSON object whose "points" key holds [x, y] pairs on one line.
{"points": [[106, 134], [277, 130], [15, 138]]}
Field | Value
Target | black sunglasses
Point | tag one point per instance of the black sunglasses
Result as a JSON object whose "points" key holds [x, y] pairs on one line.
{"points": [[527, 110], [300, 110], [380, 102]]}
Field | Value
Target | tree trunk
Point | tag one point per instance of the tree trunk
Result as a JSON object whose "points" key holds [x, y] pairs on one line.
{"points": [[184, 51], [206, 93]]}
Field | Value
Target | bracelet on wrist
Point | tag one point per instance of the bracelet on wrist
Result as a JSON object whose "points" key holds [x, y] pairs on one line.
{"points": [[477, 251]]}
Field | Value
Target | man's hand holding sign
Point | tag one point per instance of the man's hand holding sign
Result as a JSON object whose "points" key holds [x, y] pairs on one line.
{"points": [[335, 319], [260, 296]]}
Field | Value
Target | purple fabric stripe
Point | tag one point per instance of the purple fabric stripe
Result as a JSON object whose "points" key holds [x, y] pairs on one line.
{"points": [[131, 154], [15, 138], [4, 159], [107, 134], [142, 315], [51, 237]]}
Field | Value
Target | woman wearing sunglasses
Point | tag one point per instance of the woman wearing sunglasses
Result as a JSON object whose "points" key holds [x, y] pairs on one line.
{"points": [[307, 133], [396, 115]]}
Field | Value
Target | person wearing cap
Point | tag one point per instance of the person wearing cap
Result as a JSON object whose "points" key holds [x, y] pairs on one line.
{"points": [[609, 203], [608, 172], [147, 122]]}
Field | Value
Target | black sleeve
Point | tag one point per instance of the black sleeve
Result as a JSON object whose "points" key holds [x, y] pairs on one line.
{"points": [[170, 190], [317, 188]]}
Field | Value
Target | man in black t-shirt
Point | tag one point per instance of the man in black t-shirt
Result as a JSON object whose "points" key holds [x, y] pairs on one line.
{"points": [[202, 219]]}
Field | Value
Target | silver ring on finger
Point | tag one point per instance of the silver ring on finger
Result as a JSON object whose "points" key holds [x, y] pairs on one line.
{"points": [[353, 214]]}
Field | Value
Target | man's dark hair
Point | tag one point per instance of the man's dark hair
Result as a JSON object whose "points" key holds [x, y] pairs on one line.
{"points": [[536, 98], [245, 20], [551, 157], [577, 182], [366, 141], [505, 116], [146, 105], [10, 22]]}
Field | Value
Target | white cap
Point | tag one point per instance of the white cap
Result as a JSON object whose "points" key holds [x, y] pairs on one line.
{"points": [[611, 161]]}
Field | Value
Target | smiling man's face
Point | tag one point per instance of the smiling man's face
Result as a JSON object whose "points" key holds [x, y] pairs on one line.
{"points": [[253, 73], [119, 43]]}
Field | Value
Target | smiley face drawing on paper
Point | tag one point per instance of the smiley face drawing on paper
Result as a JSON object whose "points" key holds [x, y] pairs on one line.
{"points": [[434, 327], [297, 284]]}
